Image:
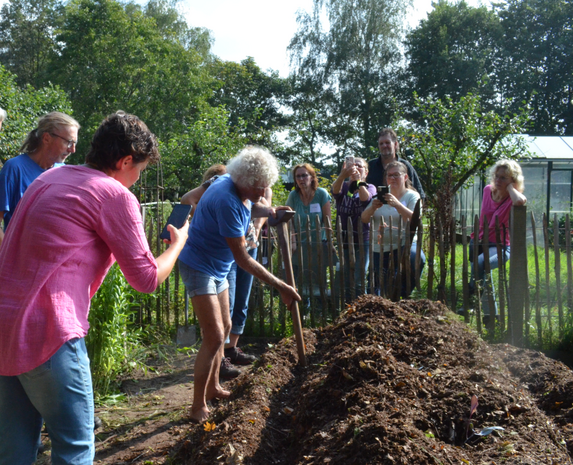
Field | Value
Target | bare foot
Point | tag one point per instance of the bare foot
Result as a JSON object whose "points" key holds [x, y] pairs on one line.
{"points": [[218, 393], [200, 415]]}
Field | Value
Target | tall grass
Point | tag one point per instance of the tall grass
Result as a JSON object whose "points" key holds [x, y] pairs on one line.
{"points": [[547, 290], [111, 339]]}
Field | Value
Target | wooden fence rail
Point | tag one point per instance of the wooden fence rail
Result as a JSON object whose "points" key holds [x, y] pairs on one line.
{"points": [[533, 291]]}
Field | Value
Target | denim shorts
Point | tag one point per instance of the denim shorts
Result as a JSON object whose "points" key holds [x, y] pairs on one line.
{"points": [[199, 283]]}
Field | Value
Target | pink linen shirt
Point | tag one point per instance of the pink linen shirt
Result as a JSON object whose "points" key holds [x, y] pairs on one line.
{"points": [[70, 226], [491, 210]]}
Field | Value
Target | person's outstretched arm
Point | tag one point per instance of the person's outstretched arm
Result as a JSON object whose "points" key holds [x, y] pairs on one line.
{"points": [[166, 261]]}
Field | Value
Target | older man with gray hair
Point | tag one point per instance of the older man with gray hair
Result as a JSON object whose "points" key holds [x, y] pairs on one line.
{"points": [[46, 146], [3, 116], [216, 238]]}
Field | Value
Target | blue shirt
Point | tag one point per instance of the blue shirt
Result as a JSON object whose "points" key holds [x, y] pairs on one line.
{"points": [[15, 177], [220, 214]]}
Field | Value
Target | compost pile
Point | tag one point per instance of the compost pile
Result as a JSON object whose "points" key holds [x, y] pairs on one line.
{"points": [[392, 384]]}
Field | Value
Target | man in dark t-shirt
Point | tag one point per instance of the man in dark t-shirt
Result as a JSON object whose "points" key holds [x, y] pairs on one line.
{"points": [[388, 147]]}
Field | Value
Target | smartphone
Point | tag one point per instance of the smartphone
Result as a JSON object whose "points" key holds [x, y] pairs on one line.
{"points": [[381, 192], [349, 160], [177, 218]]}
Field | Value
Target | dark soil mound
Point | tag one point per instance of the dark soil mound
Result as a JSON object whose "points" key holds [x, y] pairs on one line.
{"points": [[391, 384]]}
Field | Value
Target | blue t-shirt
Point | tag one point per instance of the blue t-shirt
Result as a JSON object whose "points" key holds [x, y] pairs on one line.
{"points": [[15, 177], [220, 214]]}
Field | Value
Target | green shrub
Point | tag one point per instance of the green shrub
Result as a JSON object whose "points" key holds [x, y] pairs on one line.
{"points": [[110, 341]]}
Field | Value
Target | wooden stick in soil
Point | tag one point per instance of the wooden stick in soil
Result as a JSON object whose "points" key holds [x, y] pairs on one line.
{"points": [[297, 327]]}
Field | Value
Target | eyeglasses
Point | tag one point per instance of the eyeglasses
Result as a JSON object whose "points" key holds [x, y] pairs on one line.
{"points": [[394, 175], [302, 176], [71, 142]]}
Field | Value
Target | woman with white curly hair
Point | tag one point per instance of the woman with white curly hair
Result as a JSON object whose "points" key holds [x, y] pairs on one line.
{"points": [[216, 239], [504, 191]]}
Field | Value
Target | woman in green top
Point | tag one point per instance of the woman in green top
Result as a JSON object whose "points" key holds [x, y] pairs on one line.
{"points": [[308, 200]]}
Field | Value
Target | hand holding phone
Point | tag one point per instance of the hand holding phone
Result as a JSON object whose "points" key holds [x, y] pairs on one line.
{"points": [[179, 215], [381, 192]]}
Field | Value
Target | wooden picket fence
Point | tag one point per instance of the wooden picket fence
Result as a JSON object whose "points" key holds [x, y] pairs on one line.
{"points": [[533, 291]]}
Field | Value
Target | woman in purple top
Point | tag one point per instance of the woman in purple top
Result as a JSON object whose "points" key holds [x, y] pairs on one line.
{"points": [[352, 197], [70, 226], [504, 191]]}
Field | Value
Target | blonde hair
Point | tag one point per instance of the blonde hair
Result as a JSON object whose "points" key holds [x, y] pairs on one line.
{"points": [[47, 123], [512, 168]]}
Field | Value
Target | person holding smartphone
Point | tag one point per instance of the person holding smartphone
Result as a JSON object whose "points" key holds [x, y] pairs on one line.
{"points": [[352, 195], [398, 205], [70, 226]]}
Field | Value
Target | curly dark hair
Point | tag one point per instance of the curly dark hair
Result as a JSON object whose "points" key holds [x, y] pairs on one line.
{"points": [[121, 135]]}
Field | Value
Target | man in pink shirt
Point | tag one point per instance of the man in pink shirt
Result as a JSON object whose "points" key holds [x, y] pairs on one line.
{"points": [[70, 226]]}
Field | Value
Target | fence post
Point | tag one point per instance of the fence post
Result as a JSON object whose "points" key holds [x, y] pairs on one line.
{"points": [[310, 266], [537, 283], [557, 253], [321, 269], [453, 295], [332, 299], [342, 263], [569, 265], [351, 259], [518, 284], [431, 253], [547, 282], [465, 286]]}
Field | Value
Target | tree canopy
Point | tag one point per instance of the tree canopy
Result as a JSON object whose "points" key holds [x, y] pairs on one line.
{"points": [[350, 63], [25, 105]]}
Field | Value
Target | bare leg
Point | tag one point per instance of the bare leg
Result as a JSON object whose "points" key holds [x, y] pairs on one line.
{"points": [[215, 327], [233, 339]]}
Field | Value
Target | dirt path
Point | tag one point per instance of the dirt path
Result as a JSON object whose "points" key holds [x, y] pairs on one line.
{"points": [[145, 428]]}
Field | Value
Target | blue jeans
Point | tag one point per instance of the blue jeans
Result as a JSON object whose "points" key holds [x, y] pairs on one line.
{"points": [[493, 263], [240, 284], [60, 392], [386, 268], [359, 290]]}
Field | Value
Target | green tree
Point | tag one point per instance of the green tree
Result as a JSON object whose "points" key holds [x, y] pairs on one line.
{"points": [[173, 26], [462, 139], [310, 122], [111, 59], [355, 59], [24, 106], [452, 52], [27, 38], [455, 141], [251, 97], [535, 64], [208, 140]]}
